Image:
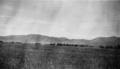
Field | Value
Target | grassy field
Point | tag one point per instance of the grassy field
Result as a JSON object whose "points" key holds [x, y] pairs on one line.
{"points": [[36, 56]]}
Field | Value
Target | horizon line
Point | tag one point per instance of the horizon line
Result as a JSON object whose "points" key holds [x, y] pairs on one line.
{"points": [[60, 37]]}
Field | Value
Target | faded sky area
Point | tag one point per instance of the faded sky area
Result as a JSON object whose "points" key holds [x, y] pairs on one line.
{"points": [[60, 18]]}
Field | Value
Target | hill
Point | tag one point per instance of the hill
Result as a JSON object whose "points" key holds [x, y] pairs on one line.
{"points": [[34, 38], [22, 52]]}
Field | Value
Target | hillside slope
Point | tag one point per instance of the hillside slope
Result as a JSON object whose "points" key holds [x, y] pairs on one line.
{"points": [[33, 38]]}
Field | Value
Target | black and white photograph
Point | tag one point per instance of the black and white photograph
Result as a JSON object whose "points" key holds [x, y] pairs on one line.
{"points": [[59, 34]]}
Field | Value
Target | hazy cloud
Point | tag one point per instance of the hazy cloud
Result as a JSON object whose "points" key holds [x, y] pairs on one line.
{"points": [[61, 18]]}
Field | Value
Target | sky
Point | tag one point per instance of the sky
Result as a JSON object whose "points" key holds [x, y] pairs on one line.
{"points": [[76, 19]]}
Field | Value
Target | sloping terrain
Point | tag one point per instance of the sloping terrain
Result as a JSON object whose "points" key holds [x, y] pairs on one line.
{"points": [[35, 38]]}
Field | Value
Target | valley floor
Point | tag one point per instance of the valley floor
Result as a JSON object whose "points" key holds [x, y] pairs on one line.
{"points": [[32, 56]]}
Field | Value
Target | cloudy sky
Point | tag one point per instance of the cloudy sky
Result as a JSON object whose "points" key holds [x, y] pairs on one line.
{"points": [[60, 18]]}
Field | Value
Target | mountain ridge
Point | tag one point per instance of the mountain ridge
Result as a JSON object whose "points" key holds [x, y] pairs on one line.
{"points": [[36, 38]]}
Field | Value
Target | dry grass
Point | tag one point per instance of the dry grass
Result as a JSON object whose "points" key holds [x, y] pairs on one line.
{"points": [[27, 56]]}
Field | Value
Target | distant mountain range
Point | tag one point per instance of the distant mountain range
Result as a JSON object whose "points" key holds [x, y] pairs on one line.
{"points": [[34, 38]]}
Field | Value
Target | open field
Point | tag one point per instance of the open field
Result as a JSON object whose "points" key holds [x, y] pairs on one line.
{"points": [[37, 56]]}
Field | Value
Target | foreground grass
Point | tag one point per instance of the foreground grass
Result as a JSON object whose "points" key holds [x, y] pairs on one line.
{"points": [[30, 56]]}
